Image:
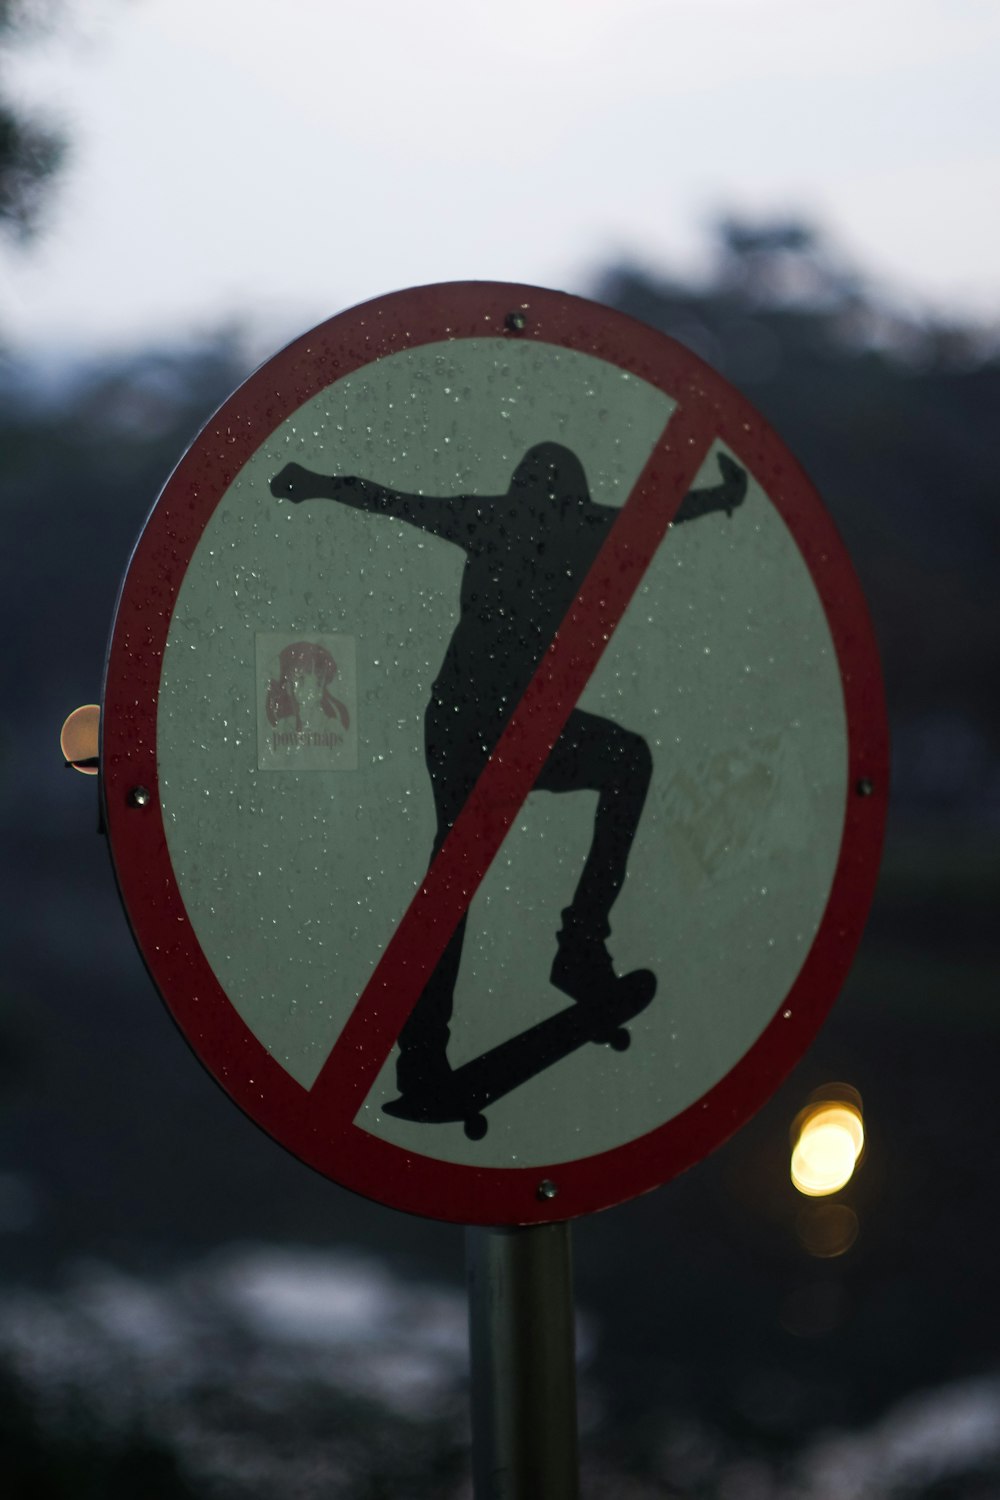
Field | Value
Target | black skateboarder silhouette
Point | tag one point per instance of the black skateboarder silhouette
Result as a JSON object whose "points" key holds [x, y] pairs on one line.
{"points": [[527, 553]]}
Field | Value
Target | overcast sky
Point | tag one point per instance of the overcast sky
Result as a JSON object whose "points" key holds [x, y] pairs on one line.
{"points": [[280, 161]]}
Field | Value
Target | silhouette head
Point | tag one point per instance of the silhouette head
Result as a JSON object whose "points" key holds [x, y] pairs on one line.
{"points": [[551, 473]]}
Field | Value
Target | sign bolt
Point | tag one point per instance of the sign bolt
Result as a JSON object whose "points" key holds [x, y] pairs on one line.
{"points": [[140, 796], [516, 322], [547, 1189], [865, 787]]}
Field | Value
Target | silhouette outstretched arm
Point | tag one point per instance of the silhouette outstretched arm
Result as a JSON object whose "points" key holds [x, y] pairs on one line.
{"points": [[443, 517], [725, 496]]}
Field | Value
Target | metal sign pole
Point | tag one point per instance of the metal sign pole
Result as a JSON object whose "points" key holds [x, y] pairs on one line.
{"points": [[524, 1438]]}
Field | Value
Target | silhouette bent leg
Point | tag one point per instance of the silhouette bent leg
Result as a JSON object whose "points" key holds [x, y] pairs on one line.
{"points": [[591, 754], [595, 754]]}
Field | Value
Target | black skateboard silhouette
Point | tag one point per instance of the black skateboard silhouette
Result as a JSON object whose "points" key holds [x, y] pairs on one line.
{"points": [[479, 1083], [527, 552]]}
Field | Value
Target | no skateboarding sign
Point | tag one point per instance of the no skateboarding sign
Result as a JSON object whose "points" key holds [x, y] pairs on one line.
{"points": [[494, 753]]}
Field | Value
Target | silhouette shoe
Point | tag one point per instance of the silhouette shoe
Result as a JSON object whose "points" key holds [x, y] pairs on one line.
{"points": [[423, 1075], [583, 970]]}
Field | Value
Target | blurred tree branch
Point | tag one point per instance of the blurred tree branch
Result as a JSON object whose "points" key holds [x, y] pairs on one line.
{"points": [[30, 152]]}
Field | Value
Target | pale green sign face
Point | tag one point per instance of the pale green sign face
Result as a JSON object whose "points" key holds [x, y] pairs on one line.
{"points": [[297, 801]]}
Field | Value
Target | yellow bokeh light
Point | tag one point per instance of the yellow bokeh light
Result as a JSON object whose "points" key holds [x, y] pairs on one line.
{"points": [[826, 1230], [830, 1141], [844, 1116]]}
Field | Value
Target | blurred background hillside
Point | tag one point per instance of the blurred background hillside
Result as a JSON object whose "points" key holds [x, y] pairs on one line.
{"points": [[185, 1310]]}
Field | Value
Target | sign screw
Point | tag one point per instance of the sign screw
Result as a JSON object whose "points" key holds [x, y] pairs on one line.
{"points": [[865, 787], [140, 796], [516, 322], [547, 1189]]}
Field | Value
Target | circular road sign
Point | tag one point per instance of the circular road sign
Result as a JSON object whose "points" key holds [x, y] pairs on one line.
{"points": [[494, 753]]}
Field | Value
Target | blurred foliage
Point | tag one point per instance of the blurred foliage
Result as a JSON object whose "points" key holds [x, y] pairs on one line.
{"points": [[41, 1465], [30, 150], [84, 455], [892, 415]]}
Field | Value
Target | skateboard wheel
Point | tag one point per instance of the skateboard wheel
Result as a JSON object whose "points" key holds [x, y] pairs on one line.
{"points": [[620, 1040], [476, 1127]]}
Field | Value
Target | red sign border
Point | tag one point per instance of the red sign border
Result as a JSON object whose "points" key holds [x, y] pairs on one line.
{"points": [[254, 1080]]}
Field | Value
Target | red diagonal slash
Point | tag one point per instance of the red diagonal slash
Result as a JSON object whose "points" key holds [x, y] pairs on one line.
{"points": [[511, 771]]}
